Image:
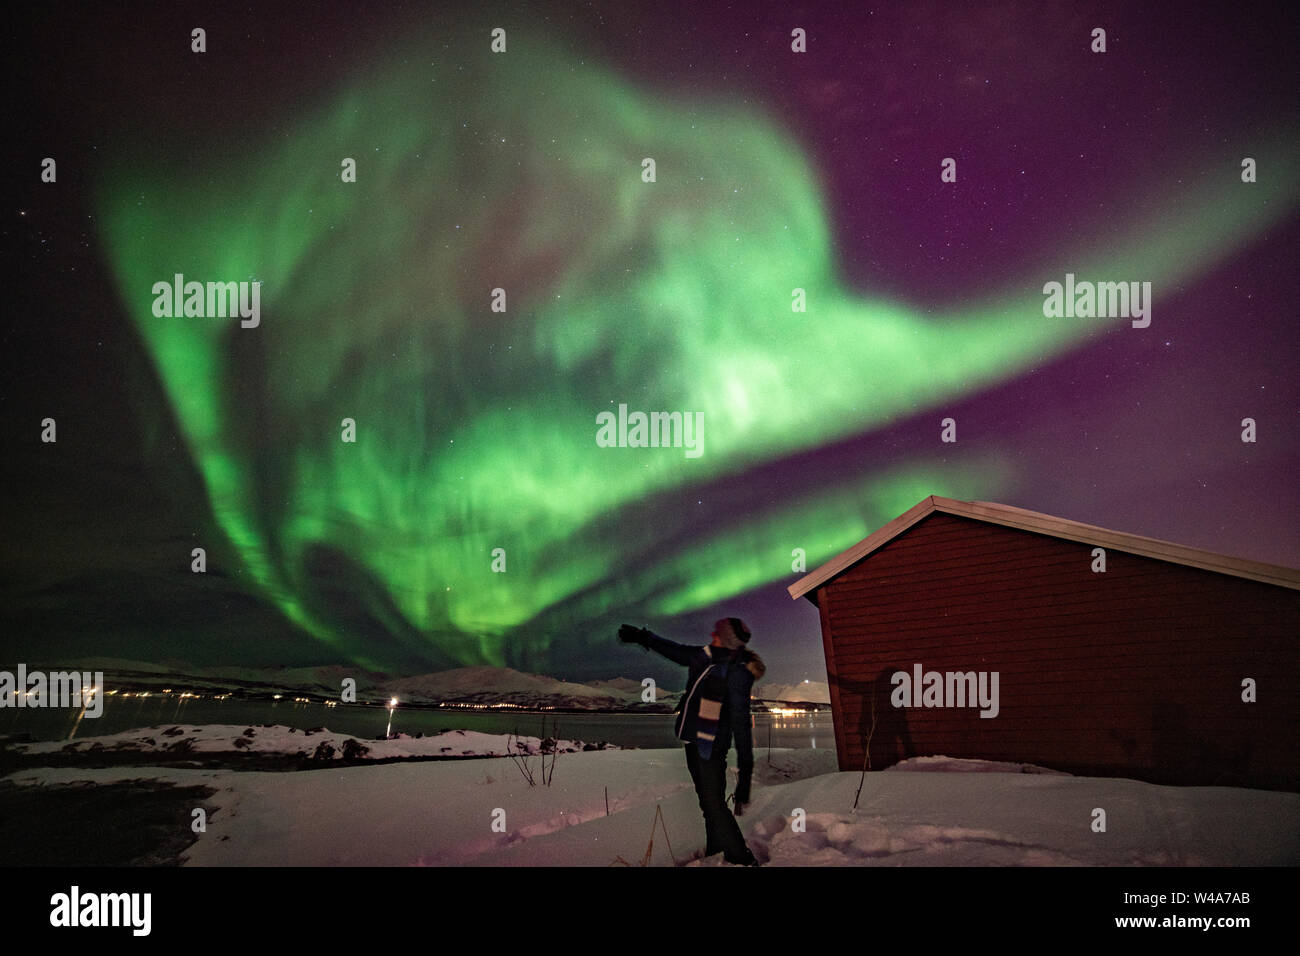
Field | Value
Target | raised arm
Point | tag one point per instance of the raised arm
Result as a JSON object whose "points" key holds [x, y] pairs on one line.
{"points": [[677, 653]]}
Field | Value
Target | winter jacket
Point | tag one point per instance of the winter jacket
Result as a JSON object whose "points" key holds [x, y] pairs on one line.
{"points": [[742, 668]]}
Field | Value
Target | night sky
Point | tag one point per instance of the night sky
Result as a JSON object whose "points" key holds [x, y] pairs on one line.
{"points": [[522, 170]]}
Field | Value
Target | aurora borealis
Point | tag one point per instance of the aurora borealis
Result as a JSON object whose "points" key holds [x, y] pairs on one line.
{"points": [[475, 429]]}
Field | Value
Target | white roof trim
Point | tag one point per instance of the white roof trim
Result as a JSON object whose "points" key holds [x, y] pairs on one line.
{"points": [[1025, 520]]}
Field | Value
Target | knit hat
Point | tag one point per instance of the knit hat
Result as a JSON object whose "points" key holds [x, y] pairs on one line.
{"points": [[733, 632]]}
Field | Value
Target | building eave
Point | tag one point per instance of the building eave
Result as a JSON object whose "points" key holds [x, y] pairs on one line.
{"points": [[1012, 517]]}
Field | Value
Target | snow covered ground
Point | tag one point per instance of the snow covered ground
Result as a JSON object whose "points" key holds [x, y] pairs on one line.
{"points": [[926, 812]]}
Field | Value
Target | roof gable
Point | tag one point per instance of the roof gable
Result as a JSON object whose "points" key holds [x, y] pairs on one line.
{"points": [[1035, 521]]}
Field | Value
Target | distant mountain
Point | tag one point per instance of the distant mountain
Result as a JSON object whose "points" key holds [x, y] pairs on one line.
{"points": [[491, 685], [622, 685], [465, 685], [810, 692]]}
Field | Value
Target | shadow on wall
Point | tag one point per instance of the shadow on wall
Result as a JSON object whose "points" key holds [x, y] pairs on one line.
{"points": [[881, 729]]}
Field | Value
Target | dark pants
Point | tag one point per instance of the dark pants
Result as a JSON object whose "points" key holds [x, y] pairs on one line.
{"points": [[723, 833]]}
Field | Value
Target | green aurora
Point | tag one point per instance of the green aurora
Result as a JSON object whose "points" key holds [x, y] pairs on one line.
{"points": [[476, 429]]}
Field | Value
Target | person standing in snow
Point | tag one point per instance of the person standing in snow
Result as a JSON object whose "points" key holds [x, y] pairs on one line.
{"points": [[714, 708]]}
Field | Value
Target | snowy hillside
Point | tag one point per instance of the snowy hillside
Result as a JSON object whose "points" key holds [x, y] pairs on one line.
{"points": [[471, 685], [490, 685], [287, 741]]}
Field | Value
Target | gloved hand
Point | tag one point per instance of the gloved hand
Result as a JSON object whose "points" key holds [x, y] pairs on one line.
{"points": [[631, 635]]}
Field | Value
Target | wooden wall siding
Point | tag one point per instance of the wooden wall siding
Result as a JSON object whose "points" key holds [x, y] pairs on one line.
{"points": [[1135, 672]]}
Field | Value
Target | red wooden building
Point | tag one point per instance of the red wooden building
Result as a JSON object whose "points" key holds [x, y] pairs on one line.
{"points": [[957, 609]]}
